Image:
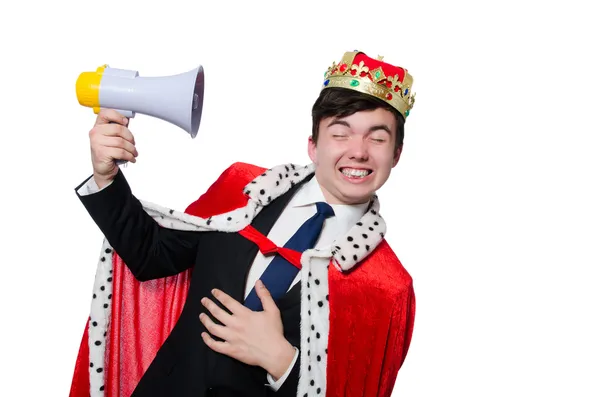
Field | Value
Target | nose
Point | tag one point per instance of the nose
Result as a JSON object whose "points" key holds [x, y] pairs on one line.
{"points": [[358, 149]]}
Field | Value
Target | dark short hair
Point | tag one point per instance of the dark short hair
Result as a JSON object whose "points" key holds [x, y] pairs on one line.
{"points": [[343, 102]]}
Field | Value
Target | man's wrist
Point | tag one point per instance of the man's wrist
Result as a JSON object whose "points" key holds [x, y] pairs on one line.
{"points": [[278, 362], [101, 181]]}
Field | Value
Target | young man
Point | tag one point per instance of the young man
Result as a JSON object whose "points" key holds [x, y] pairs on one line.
{"points": [[275, 281]]}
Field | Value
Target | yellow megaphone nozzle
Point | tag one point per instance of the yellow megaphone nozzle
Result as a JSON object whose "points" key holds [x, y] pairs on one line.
{"points": [[88, 88]]}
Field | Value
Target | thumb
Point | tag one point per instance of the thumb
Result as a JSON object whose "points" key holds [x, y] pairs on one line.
{"points": [[266, 299]]}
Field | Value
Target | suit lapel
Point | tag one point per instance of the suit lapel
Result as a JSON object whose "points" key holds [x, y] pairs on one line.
{"points": [[290, 298]]}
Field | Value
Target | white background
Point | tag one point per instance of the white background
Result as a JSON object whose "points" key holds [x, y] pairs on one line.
{"points": [[493, 208]]}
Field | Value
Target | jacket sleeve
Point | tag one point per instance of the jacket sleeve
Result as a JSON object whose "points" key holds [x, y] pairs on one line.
{"points": [[149, 250], [290, 386]]}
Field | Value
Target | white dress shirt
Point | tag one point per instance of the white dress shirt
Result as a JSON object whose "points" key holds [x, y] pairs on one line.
{"points": [[300, 208]]}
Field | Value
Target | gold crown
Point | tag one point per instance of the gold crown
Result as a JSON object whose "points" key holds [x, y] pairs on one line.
{"points": [[357, 71]]}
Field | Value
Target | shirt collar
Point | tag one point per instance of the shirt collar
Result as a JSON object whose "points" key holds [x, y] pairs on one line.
{"points": [[311, 193]]}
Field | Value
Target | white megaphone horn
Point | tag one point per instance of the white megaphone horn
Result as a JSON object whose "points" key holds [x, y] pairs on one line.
{"points": [[176, 99]]}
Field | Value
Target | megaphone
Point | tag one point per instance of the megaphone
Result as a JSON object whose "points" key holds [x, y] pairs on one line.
{"points": [[176, 99]]}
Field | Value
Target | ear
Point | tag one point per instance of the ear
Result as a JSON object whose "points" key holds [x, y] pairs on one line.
{"points": [[397, 156], [312, 149]]}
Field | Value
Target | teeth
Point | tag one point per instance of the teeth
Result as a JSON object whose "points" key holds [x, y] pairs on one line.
{"points": [[355, 173]]}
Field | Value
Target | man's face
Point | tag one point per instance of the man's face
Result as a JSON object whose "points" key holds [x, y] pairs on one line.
{"points": [[354, 155]]}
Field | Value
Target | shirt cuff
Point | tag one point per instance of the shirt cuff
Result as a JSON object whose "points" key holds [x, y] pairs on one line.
{"points": [[90, 187], [276, 385]]}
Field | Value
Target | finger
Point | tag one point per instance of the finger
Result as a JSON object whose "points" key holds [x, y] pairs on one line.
{"points": [[217, 312], [266, 299], [234, 306], [219, 347], [119, 154], [106, 116], [114, 130], [215, 329], [118, 142]]}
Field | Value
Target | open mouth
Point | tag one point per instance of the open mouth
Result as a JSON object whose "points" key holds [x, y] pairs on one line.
{"points": [[355, 173]]}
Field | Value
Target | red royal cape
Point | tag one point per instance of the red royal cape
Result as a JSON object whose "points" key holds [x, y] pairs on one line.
{"points": [[372, 312]]}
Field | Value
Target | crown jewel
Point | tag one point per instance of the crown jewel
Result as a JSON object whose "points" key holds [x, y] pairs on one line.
{"points": [[358, 72]]}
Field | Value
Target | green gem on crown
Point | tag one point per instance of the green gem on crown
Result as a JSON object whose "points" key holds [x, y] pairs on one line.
{"points": [[407, 113], [354, 83], [377, 74]]}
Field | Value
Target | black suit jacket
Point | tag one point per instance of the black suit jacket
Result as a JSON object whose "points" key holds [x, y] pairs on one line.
{"points": [[184, 365]]}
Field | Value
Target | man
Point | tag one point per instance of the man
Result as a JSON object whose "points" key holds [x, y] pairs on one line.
{"points": [[290, 287]]}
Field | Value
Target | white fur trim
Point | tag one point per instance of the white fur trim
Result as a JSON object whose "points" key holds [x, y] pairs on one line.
{"points": [[361, 239], [346, 252], [99, 319], [314, 322]]}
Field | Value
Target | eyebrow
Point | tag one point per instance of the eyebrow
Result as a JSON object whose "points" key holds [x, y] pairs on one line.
{"points": [[373, 128]]}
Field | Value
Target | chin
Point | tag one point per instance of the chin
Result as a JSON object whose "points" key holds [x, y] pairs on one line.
{"points": [[353, 194]]}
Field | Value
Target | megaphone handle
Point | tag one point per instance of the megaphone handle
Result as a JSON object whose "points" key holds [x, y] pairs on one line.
{"points": [[119, 162]]}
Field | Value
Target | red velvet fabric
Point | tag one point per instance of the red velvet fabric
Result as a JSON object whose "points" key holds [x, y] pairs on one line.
{"points": [[372, 64], [80, 385], [145, 314], [372, 311]]}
